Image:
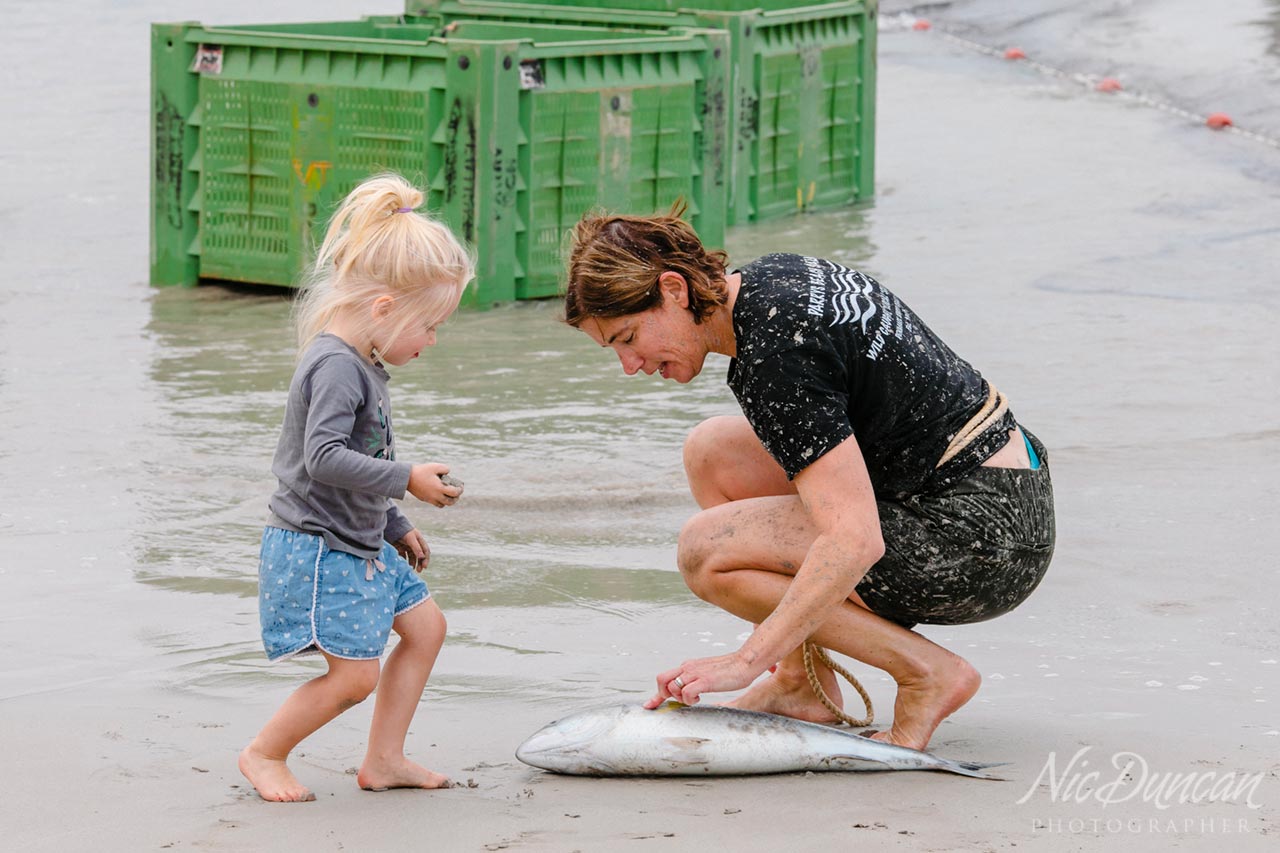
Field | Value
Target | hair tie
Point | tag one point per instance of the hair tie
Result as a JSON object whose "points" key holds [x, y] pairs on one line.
{"points": [[404, 210]]}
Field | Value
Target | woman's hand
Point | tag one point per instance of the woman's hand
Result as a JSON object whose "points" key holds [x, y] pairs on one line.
{"points": [[425, 484], [687, 682], [413, 547]]}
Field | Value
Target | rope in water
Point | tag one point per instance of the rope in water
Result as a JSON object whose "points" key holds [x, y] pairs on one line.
{"points": [[810, 651]]}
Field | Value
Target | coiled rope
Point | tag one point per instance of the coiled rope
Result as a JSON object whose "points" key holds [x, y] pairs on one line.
{"points": [[810, 651]]}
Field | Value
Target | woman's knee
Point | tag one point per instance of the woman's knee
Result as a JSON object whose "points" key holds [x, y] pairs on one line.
{"points": [[707, 438], [704, 450], [696, 553], [725, 461]]}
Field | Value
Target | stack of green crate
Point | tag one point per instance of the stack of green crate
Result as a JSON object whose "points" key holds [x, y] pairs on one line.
{"points": [[803, 80], [515, 130]]}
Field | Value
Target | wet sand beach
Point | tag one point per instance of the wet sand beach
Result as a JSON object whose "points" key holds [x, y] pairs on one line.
{"points": [[1111, 266]]}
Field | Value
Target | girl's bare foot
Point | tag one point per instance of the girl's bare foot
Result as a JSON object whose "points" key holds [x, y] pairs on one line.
{"points": [[272, 779], [789, 694], [921, 705], [401, 773]]}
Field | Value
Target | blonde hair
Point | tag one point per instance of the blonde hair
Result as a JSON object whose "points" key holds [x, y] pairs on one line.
{"points": [[615, 262], [378, 245]]}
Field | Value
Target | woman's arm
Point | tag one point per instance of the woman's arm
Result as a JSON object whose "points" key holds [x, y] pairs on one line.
{"points": [[837, 493], [838, 496]]}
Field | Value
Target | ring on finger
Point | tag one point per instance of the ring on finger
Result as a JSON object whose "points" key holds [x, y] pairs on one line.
{"points": [[679, 682]]}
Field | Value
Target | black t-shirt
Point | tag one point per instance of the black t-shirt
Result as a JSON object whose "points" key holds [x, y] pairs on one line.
{"points": [[825, 352]]}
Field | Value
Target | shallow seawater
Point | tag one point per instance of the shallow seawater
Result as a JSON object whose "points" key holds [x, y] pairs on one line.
{"points": [[555, 445], [140, 423]]}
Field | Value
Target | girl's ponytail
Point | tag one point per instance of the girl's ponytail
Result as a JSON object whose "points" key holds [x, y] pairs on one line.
{"points": [[376, 244]]}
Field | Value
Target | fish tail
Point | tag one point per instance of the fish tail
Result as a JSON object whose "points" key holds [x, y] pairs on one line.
{"points": [[971, 768]]}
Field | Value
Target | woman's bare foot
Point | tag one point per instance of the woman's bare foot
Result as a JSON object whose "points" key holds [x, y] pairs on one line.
{"points": [[272, 779], [788, 693], [921, 705], [401, 773]]}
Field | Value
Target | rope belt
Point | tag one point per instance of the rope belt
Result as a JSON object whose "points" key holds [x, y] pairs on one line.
{"points": [[992, 411]]}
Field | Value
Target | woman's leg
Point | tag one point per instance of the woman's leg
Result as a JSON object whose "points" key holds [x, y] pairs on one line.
{"points": [[740, 554], [725, 461], [421, 631], [347, 683]]}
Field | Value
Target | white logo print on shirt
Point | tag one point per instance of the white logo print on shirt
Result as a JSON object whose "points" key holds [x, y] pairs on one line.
{"points": [[847, 286], [855, 299]]}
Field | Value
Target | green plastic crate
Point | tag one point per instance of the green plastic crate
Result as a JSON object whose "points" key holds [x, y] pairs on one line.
{"points": [[802, 114], [514, 130], [625, 6]]}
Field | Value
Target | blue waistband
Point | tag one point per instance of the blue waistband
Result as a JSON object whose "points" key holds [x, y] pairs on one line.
{"points": [[1031, 452]]}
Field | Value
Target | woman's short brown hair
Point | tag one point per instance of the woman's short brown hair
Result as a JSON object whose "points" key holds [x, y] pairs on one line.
{"points": [[615, 262]]}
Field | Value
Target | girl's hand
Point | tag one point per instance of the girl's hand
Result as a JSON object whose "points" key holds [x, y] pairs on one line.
{"points": [[425, 484], [703, 675], [413, 547]]}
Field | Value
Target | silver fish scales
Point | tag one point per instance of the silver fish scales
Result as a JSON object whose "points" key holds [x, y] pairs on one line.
{"points": [[712, 740]]}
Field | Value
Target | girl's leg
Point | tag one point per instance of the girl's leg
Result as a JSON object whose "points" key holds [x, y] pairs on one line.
{"points": [[347, 683], [421, 631]]}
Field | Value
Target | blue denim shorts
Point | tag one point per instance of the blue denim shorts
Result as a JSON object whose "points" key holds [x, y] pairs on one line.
{"points": [[312, 598]]}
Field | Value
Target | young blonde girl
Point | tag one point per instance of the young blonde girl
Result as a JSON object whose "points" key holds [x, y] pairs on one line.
{"points": [[335, 574]]}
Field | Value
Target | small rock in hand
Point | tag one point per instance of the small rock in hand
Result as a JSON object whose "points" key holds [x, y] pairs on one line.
{"points": [[452, 482]]}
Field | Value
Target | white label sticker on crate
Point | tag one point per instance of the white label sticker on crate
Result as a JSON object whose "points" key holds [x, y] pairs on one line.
{"points": [[531, 74], [208, 59]]}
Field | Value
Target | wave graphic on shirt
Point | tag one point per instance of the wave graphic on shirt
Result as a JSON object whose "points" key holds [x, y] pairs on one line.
{"points": [[848, 287]]}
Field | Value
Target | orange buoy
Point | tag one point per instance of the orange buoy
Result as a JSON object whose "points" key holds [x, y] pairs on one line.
{"points": [[1108, 84], [1014, 53], [921, 24], [1218, 121]]}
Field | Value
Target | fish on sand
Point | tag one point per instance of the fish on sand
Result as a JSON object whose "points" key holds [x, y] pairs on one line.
{"points": [[713, 740]]}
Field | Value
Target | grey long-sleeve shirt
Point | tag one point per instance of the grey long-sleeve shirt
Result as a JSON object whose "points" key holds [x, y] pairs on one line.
{"points": [[336, 456]]}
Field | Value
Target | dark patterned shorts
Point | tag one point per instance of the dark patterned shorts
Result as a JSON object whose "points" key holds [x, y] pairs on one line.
{"points": [[970, 552]]}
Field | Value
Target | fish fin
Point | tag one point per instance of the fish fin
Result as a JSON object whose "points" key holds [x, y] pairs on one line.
{"points": [[971, 768]]}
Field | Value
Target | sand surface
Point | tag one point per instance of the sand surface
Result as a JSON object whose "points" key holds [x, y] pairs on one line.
{"points": [[1110, 265]]}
